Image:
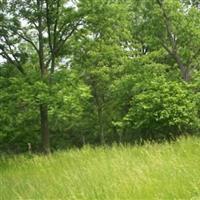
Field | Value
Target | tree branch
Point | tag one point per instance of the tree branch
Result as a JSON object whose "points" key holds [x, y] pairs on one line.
{"points": [[61, 41], [27, 39], [172, 40], [11, 50], [48, 26], [5, 55]]}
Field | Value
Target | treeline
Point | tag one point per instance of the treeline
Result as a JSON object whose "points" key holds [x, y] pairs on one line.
{"points": [[97, 72]]}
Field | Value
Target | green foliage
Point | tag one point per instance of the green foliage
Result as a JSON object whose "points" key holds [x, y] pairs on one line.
{"points": [[20, 97], [172, 26], [103, 71], [196, 90], [153, 105], [163, 109]]}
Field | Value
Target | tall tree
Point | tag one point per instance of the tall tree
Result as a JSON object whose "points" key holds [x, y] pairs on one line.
{"points": [[173, 26], [45, 26], [97, 50]]}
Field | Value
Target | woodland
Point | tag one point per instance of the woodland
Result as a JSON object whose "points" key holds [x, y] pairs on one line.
{"points": [[97, 72]]}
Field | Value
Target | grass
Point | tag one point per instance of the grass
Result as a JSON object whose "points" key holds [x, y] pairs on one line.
{"points": [[158, 171]]}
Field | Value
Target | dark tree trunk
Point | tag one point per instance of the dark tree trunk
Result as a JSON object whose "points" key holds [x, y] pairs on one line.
{"points": [[186, 76], [44, 128], [101, 127], [44, 77]]}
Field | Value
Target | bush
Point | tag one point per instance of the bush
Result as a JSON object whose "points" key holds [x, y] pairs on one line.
{"points": [[154, 104], [19, 109], [164, 109]]}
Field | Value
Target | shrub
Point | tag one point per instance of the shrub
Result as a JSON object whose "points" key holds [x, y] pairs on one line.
{"points": [[163, 109]]}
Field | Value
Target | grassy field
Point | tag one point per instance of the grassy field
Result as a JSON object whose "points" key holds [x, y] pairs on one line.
{"points": [[159, 171]]}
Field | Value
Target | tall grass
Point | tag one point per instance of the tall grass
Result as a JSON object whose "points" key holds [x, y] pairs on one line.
{"points": [[159, 171]]}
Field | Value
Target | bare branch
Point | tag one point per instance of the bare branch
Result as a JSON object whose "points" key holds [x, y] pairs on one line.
{"points": [[48, 26], [5, 55], [56, 23], [61, 41], [27, 39], [11, 50], [173, 52]]}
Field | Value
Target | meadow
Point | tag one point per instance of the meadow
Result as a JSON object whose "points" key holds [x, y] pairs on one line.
{"points": [[153, 171]]}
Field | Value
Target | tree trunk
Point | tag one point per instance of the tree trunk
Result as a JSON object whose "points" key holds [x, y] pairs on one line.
{"points": [[187, 75], [101, 127], [184, 70], [44, 77], [44, 128]]}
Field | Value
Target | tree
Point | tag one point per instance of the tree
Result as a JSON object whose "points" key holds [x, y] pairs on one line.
{"points": [[97, 71], [20, 97], [153, 104], [172, 26], [97, 50], [44, 26]]}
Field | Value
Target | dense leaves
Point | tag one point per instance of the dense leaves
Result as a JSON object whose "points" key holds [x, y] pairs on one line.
{"points": [[97, 72], [20, 98]]}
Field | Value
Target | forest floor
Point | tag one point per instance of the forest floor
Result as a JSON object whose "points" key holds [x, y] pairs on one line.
{"points": [[153, 171]]}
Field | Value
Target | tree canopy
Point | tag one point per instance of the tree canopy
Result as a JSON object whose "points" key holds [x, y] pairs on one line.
{"points": [[97, 72]]}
